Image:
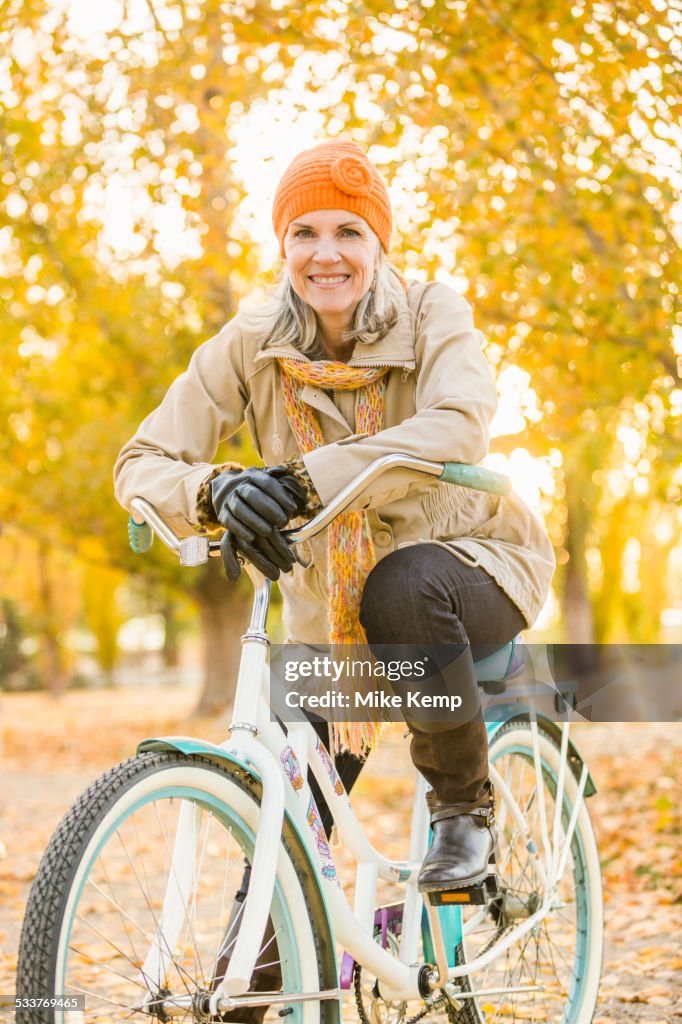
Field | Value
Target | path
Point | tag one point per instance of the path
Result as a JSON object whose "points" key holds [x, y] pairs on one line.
{"points": [[49, 751]]}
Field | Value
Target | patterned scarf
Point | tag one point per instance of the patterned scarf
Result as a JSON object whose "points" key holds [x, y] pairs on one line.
{"points": [[350, 551]]}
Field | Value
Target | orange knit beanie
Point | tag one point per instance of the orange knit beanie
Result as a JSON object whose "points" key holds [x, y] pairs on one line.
{"points": [[333, 175]]}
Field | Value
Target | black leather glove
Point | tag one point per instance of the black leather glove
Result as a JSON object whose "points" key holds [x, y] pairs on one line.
{"points": [[253, 505]]}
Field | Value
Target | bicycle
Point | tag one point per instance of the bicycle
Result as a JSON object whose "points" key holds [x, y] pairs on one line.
{"points": [[139, 942]]}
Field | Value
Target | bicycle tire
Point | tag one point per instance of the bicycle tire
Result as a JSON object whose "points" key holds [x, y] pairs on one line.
{"points": [[73, 892], [583, 928]]}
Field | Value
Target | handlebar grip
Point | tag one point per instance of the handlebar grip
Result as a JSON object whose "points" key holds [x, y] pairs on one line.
{"points": [[477, 477], [140, 536]]}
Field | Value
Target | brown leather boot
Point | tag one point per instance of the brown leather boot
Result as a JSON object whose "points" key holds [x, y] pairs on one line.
{"points": [[463, 850]]}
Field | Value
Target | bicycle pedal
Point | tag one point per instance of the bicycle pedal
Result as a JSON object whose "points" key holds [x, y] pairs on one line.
{"points": [[468, 895]]}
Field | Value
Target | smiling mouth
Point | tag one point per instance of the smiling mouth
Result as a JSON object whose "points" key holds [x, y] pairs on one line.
{"points": [[329, 281]]}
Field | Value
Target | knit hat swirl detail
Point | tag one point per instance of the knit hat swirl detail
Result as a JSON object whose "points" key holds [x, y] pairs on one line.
{"points": [[351, 175], [333, 175]]}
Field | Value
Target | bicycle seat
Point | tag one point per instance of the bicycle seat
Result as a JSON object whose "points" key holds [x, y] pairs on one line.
{"points": [[507, 662]]}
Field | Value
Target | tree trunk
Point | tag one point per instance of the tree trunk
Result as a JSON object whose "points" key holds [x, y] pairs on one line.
{"points": [[52, 656], [171, 648], [581, 652], [225, 610], [52, 659]]}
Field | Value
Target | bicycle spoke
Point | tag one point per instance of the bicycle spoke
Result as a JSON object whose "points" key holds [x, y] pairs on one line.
{"points": [[536, 967], [124, 956], [145, 890], [113, 894], [272, 963], [107, 967], [271, 939], [97, 996], [147, 937], [226, 946], [195, 876], [554, 947], [220, 938], [159, 931], [187, 928], [195, 887], [184, 902]]}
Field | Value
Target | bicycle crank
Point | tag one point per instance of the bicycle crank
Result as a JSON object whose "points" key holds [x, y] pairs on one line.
{"points": [[380, 1011]]}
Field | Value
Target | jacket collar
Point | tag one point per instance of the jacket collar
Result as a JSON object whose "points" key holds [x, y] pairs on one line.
{"points": [[396, 348]]}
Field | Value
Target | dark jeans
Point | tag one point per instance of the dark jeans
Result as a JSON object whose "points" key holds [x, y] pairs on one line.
{"points": [[425, 597]]}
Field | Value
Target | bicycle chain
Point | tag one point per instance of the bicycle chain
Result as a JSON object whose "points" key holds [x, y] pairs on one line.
{"points": [[437, 1004], [360, 1006]]}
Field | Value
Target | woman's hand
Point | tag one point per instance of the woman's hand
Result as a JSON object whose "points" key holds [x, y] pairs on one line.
{"points": [[253, 505]]}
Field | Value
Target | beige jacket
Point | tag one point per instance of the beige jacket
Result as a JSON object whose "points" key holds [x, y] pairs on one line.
{"points": [[440, 398]]}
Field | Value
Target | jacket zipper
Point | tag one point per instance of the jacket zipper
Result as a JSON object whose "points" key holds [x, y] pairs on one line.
{"points": [[365, 364]]}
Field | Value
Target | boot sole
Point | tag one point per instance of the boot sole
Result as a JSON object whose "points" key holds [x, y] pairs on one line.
{"points": [[478, 891], [464, 883]]}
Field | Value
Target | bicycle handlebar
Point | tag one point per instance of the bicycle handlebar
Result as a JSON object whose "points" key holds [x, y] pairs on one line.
{"points": [[196, 550]]}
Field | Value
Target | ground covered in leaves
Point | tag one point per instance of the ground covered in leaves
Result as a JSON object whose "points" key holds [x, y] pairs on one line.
{"points": [[51, 749]]}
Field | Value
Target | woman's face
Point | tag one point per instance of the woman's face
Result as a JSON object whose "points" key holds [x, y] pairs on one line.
{"points": [[331, 257]]}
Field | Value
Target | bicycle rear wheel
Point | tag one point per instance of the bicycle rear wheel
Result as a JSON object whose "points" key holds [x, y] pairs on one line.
{"points": [[109, 878], [561, 957]]}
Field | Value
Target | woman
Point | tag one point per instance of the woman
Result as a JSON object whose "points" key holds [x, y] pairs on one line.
{"points": [[347, 364]]}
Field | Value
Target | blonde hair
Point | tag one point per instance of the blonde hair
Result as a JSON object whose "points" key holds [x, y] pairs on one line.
{"points": [[287, 320]]}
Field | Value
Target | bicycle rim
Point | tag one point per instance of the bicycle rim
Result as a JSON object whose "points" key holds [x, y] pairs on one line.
{"points": [[560, 958], [116, 916]]}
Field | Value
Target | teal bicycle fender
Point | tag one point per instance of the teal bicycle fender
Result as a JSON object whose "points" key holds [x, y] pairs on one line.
{"points": [[191, 747], [508, 712]]}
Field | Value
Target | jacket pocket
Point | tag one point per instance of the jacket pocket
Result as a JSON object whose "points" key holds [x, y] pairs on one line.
{"points": [[466, 555], [351, 438], [443, 501], [459, 511], [489, 512], [304, 554]]}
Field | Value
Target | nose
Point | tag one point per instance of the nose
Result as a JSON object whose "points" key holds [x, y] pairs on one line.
{"points": [[326, 251]]}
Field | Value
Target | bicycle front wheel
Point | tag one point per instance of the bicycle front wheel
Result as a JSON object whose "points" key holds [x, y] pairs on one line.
{"points": [[558, 962], [134, 907]]}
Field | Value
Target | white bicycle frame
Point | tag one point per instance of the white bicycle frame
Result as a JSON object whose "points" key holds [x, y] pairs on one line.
{"points": [[281, 762]]}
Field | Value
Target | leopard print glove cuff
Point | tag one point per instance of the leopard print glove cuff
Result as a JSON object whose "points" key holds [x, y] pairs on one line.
{"points": [[204, 514], [296, 467]]}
